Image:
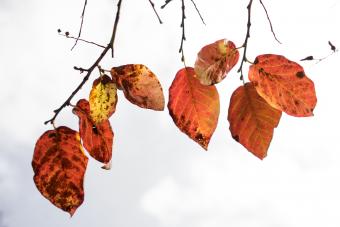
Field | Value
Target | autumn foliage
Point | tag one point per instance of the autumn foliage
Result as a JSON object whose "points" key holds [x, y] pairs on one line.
{"points": [[275, 85]]}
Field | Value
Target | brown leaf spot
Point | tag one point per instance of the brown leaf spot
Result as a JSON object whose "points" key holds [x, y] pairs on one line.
{"points": [[300, 74]]}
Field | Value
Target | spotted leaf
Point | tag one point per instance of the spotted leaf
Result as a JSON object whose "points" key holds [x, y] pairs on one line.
{"points": [[59, 165], [252, 120], [194, 107], [215, 60], [97, 138], [103, 99], [140, 86], [283, 84]]}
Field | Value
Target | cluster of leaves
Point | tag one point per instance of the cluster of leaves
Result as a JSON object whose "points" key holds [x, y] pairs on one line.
{"points": [[275, 85], [59, 161]]}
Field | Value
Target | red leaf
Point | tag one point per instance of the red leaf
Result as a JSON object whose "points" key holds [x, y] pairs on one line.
{"points": [[140, 86], [283, 84], [103, 99], [59, 165], [215, 60], [97, 138], [194, 107], [252, 120]]}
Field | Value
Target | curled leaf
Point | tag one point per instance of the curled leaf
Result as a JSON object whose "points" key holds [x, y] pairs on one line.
{"points": [[103, 99], [252, 120], [97, 138], [215, 60], [194, 107], [140, 86], [283, 84], [59, 165]]}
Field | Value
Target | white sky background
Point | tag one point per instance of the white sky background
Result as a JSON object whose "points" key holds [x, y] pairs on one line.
{"points": [[160, 177]]}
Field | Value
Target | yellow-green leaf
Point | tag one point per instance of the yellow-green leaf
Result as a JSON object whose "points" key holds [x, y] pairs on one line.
{"points": [[103, 99]]}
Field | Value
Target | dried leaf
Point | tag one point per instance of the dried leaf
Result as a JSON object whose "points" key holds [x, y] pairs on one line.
{"points": [[252, 120], [59, 165], [97, 138], [283, 84], [140, 86], [194, 107], [215, 60], [103, 99]]}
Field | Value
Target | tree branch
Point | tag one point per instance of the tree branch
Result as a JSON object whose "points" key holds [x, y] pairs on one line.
{"points": [[153, 7], [166, 3], [181, 49], [81, 24], [90, 70], [270, 22], [311, 58], [67, 35], [245, 44], [115, 26], [193, 2]]}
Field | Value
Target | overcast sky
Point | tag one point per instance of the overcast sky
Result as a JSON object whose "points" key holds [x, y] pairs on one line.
{"points": [[159, 177]]}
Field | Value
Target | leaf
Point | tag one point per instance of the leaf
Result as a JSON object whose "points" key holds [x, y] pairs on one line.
{"points": [[59, 165], [194, 107], [97, 138], [215, 60], [252, 120], [140, 86], [103, 99], [283, 84]]}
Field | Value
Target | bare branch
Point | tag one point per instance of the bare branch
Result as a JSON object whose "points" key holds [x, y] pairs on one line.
{"points": [[318, 60], [166, 3], [115, 26], [67, 35], [193, 2], [245, 44], [81, 24], [333, 48], [153, 7], [89, 70], [270, 22], [181, 50]]}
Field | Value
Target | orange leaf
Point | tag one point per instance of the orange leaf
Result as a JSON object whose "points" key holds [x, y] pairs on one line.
{"points": [[215, 60], [283, 84], [59, 165], [252, 120], [194, 107], [140, 86], [103, 99], [97, 138]]}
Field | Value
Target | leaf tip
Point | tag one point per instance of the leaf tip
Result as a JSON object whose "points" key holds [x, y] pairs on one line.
{"points": [[107, 166]]}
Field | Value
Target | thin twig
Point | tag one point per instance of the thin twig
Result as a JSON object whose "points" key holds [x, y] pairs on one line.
{"points": [[245, 44], [153, 7], [270, 22], [80, 69], [89, 70], [181, 49], [166, 3], [193, 2], [115, 26], [83, 40], [318, 60], [81, 24]]}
